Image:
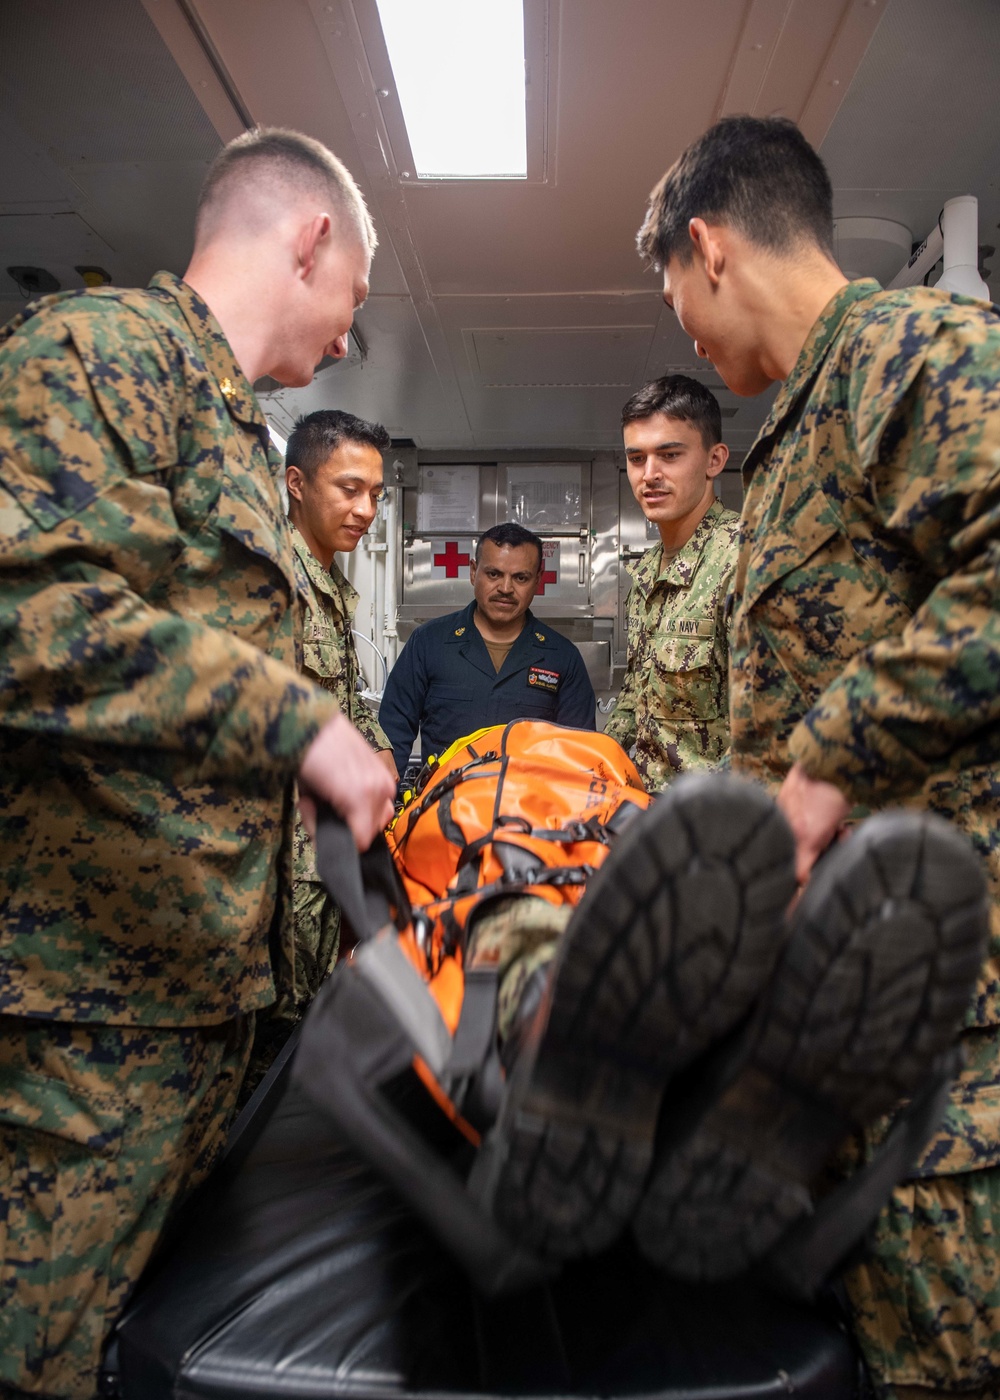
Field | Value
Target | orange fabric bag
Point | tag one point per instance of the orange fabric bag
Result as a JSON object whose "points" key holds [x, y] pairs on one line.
{"points": [[526, 807]]}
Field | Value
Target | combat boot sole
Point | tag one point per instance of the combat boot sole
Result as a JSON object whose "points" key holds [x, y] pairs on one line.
{"points": [[672, 943], [882, 956]]}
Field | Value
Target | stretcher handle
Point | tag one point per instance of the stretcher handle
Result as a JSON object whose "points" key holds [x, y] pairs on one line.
{"points": [[366, 886]]}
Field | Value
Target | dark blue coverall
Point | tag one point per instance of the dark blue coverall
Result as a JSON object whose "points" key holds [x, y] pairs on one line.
{"points": [[444, 684]]}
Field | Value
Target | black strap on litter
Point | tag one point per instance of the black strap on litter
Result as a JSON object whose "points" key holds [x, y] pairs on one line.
{"points": [[475, 1034], [367, 888], [574, 832], [623, 816], [810, 1253], [522, 877], [516, 859], [467, 869], [385, 892], [566, 875], [519, 865]]}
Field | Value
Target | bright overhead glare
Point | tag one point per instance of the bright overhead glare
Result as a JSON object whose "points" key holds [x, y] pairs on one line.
{"points": [[459, 70]]}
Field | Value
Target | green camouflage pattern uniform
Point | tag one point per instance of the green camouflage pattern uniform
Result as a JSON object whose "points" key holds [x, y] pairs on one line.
{"points": [[330, 659], [674, 703], [516, 936], [151, 720], [865, 644]]}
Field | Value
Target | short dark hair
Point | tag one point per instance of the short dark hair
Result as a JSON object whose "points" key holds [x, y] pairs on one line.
{"points": [[758, 174], [290, 161], [678, 396], [509, 536], [318, 434]]}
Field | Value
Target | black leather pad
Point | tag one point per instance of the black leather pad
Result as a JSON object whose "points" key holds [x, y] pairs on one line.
{"points": [[298, 1274]]}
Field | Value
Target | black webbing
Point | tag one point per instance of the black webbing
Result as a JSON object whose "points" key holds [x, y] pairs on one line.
{"points": [[812, 1250]]}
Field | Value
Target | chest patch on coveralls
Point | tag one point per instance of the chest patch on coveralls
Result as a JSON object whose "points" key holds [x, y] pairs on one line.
{"points": [[543, 679]]}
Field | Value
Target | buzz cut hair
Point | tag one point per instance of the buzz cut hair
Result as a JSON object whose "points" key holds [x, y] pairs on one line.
{"points": [[317, 436], [273, 159], [678, 396], [759, 175]]}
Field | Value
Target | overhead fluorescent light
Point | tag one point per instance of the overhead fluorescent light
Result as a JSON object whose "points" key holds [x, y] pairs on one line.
{"points": [[459, 72]]}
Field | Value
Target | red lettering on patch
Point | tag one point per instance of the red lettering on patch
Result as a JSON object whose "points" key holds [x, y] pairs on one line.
{"points": [[543, 679]]}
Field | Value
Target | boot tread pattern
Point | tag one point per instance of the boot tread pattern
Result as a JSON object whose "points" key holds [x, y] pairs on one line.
{"points": [[885, 948], [669, 948]]}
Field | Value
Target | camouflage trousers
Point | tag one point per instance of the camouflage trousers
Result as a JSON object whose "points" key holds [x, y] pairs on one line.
{"points": [[102, 1130], [317, 939], [517, 936], [317, 942], [926, 1305]]}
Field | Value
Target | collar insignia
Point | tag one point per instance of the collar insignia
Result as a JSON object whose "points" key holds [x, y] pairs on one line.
{"points": [[540, 636], [227, 387], [459, 631]]}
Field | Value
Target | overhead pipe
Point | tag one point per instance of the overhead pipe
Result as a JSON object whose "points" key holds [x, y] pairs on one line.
{"points": [[960, 227], [378, 601], [390, 636], [921, 261], [373, 579], [955, 238]]}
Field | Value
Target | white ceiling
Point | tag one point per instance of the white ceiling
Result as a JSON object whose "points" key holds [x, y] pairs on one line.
{"points": [[503, 315]]}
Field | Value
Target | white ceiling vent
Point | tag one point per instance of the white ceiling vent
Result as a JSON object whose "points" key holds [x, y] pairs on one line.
{"points": [[558, 357], [871, 247]]}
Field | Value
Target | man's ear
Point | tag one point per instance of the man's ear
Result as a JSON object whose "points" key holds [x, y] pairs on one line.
{"points": [[717, 459], [293, 482], [311, 235], [472, 571], [709, 247]]}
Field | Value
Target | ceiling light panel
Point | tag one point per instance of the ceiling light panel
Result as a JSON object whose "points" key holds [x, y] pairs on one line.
{"points": [[460, 81]]}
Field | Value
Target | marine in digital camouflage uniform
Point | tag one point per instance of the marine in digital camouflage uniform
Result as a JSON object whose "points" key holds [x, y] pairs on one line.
{"points": [[331, 660], [153, 719], [865, 638], [674, 701], [334, 479], [866, 643]]}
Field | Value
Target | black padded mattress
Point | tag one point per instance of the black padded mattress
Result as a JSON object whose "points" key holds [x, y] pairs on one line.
{"points": [[299, 1274]]}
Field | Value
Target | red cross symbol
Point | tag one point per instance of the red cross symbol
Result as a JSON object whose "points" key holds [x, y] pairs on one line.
{"points": [[549, 576], [451, 561]]}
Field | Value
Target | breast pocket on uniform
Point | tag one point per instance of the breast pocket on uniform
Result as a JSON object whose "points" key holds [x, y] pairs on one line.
{"points": [[814, 599], [448, 697], [540, 692], [321, 661], [683, 683]]}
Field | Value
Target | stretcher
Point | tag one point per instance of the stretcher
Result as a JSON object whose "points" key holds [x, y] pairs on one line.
{"points": [[299, 1271]]}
